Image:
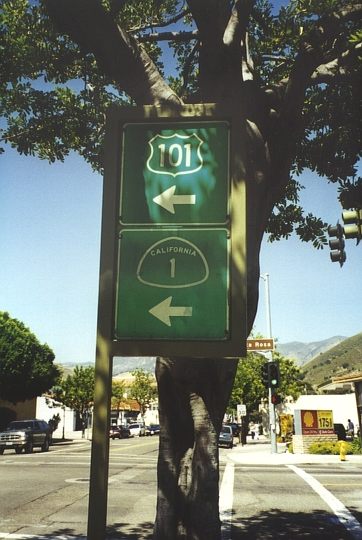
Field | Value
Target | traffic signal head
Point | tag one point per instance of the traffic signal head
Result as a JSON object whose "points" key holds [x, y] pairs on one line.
{"points": [[265, 374], [352, 220], [270, 374], [336, 244], [276, 399], [273, 374]]}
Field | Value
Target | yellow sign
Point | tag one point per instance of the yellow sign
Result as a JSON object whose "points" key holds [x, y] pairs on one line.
{"points": [[325, 419], [317, 422]]}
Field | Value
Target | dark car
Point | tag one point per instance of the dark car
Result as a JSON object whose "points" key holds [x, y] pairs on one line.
{"points": [[226, 437], [119, 432], [340, 431], [25, 435], [236, 428], [153, 429]]}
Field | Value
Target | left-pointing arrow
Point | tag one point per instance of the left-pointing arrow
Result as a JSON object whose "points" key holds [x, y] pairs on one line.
{"points": [[167, 199], [163, 311]]}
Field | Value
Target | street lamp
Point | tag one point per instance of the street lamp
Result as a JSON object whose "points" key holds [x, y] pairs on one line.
{"points": [[269, 356]]}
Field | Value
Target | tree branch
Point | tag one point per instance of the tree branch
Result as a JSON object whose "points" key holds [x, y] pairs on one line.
{"points": [[235, 30], [337, 70], [118, 54], [168, 36], [160, 24], [235, 35], [313, 60]]}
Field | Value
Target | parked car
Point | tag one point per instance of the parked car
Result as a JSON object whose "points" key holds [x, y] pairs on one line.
{"points": [[153, 429], [226, 437], [119, 432], [236, 428], [25, 435], [137, 429], [340, 431]]}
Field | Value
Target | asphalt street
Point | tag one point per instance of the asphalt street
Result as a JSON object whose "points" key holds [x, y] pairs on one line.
{"points": [[262, 495]]}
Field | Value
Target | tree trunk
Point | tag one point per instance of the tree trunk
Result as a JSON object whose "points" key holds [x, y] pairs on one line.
{"points": [[193, 394]]}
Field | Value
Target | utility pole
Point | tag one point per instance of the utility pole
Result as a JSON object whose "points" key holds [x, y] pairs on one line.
{"points": [[269, 356]]}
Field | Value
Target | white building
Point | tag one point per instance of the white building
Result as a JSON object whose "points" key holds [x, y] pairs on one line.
{"points": [[46, 408], [343, 406]]}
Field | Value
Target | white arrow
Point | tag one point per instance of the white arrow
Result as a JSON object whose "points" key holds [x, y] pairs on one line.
{"points": [[168, 199], [163, 311]]}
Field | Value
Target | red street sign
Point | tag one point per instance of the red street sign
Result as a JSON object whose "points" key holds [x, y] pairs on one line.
{"points": [[266, 344]]}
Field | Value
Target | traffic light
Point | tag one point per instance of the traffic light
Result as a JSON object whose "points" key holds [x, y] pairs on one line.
{"points": [[270, 374], [352, 220], [274, 374], [336, 243], [276, 399], [265, 374]]}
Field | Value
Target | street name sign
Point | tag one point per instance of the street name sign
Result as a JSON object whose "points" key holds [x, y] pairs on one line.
{"points": [[262, 344], [172, 266]]}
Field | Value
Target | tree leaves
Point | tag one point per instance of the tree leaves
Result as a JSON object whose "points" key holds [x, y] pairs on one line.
{"points": [[77, 390], [249, 388], [143, 388], [26, 367], [54, 94]]}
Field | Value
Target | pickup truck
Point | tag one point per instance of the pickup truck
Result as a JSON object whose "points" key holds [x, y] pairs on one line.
{"points": [[25, 435]]}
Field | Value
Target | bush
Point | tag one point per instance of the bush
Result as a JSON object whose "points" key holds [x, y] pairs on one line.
{"points": [[331, 448], [356, 446]]}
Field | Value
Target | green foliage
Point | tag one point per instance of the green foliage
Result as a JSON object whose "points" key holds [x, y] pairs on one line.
{"points": [[356, 446], [248, 385], [118, 390], [54, 95], [53, 98], [331, 448], [26, 366], [76, 391], [143, 388]]}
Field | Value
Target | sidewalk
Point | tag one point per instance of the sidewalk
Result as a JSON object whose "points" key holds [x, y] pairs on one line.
{"points": [[259, 453]]}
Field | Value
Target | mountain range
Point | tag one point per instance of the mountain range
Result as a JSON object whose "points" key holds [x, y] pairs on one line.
{"points": [[319, 360], [304, 352], [344, 358]]}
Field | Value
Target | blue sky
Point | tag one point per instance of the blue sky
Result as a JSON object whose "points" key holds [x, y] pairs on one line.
{"points": [[50, 240]]}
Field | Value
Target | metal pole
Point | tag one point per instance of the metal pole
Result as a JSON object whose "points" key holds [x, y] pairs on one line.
{"points": [[63, 433], [269, 356]]}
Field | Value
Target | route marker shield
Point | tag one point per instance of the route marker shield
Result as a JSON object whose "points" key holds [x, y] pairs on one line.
{"points": [[175, 154], [173, 284], [175, 173]]}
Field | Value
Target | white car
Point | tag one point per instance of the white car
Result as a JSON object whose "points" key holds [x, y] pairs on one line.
{"points": [[137, 430]]}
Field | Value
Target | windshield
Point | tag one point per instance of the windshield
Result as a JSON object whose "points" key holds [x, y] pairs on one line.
{"points": [[20, 425], [226, 429]]}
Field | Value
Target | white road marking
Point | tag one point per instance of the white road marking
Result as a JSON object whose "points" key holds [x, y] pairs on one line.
{"points": [[226, 498], [345, 517]]}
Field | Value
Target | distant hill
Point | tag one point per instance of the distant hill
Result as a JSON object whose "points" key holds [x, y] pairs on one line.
{"points": [[121, 364], [319, 360], [344, 358], [124, 364], [303, 352]]}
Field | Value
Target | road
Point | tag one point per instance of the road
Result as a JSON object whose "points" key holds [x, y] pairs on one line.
{"points": [[46, 495]]}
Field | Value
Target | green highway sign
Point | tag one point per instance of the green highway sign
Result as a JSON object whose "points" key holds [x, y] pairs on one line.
{"points": [[175, 172], [170, 282], [173, 249]]}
